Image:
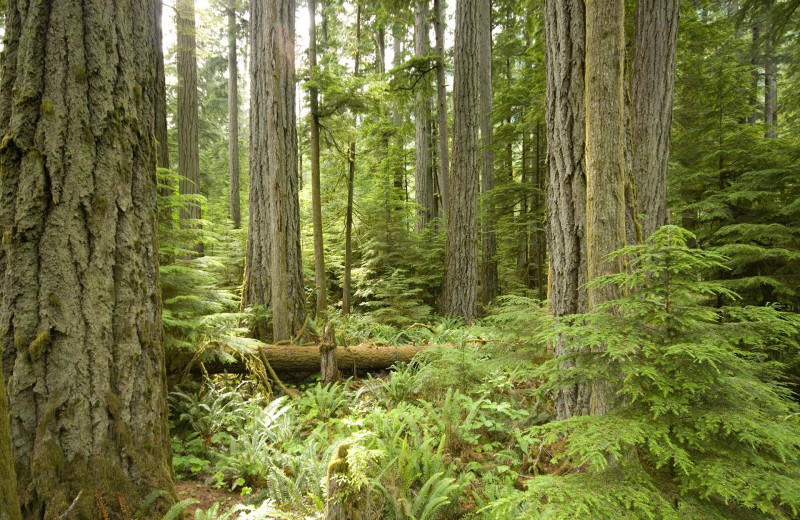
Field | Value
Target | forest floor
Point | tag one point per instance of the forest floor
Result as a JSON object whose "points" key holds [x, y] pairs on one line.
{"points": [[206, 496]]}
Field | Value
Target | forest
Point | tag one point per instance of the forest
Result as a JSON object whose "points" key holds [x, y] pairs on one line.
{"points": [[376, 259]]}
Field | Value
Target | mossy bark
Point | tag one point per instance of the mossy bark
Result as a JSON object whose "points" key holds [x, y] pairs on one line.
{"points": [[605, 155], [460, 292], [274, 271], [80, 316], [565, 222], [441, 108], [9, 502]]}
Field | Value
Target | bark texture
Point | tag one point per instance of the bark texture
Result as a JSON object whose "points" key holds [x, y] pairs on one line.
{"points": [[770, 80], [9, 502], [80, 312], [565, 47], [188, 147], [233, 119], [605, 154], [652, 85], [489, 281], [161, 90], [461, 250], [441, 109], [274, 270], [423, 173], [316, 197]]}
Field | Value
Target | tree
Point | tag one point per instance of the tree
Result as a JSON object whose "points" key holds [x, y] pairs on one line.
{"points": [[461, 250], [652, 84], [423, 173], [274, 276], [233, 118], [79, 302], [316, 197], [188, 147], [565, 47], [441, 108], [605, 156], [489, 283], [9, 502]]}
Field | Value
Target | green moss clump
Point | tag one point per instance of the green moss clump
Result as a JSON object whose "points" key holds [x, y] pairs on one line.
{"points": [[80, 73], [46, 107], [137, 92], [38, 345]]}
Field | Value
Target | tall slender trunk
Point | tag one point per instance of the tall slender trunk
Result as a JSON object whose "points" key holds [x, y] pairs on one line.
{"points": [[399, 178], [459, 297], [605, 155], [423, 176], [754, 62], [351, 173], [160, 95], [770, 81], [80, 311], [652, 84], [274, 276], [316, 197], [441, 107], [489, 283], [233, 119], [565, 46], [188, 147]]}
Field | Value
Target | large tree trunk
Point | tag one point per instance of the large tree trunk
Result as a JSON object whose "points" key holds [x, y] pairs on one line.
{"points": [[233, 119], [461, 251], [9, 501], [605, 154], [441, 108], [565, 45], [423, 176], [188, 147], [80, 315], [652, 84], [489, 283], [160, 92], [397, 121], [316, 197], [274, 276]]}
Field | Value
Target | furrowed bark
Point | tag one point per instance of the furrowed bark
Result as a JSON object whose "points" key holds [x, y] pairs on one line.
{"points": [[441, 107], [274, 272], [423, 173], [188, 146], [605, 155], [652, 84], [80, 315], [461, 251]]}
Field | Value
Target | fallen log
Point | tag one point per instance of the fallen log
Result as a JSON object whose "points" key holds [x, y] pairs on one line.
{"points": [[352, 360]]}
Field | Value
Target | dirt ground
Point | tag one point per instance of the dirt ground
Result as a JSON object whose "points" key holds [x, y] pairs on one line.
{"points": [[206, 495]]}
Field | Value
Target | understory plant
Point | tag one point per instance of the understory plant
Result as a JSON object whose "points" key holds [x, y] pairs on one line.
{"points": [[698, 427]]}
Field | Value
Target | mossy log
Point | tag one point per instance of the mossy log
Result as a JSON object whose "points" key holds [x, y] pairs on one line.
{"points": [[357, 359]]}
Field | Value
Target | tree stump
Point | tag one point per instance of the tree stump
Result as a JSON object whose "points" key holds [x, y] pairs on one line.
{"points": [[328, 365], [342, 503]]}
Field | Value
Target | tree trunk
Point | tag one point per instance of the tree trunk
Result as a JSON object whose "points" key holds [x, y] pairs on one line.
{"points": [[9, 501], [80, 314], [400, 173], [461, 250], [351, 174], [352, 360], [565, 45], [489, 288], [274, 276], [605, 154], [233, 119], [756, 73], [423, 175], [316, 197], [770, 81], [441, 105], [188, 147], [652, 85], [160, 93]]}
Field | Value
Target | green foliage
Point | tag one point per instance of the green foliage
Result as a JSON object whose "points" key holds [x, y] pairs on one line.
{"points": [[699, 428]]}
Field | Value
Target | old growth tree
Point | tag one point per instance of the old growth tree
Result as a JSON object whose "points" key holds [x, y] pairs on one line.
{"points": [[80, 309]]}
